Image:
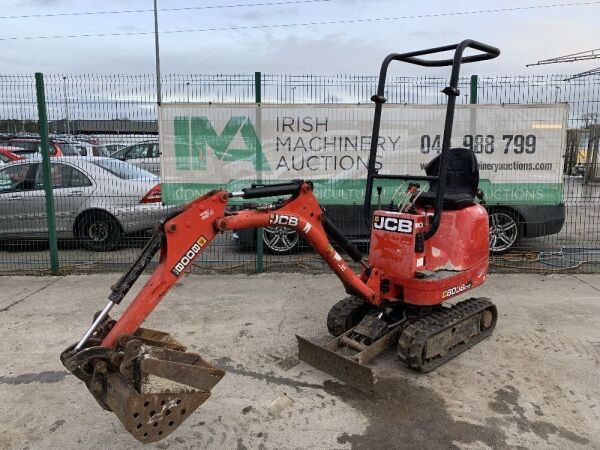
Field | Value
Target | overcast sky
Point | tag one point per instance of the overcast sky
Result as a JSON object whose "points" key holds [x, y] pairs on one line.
{"points": [[523, 36]]}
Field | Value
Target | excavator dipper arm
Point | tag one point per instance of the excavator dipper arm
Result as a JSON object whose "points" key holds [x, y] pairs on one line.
{"points": [[190, 232]]}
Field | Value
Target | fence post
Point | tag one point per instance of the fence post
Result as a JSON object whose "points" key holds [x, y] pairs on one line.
{"points": [[43, 126], [473, 96], [259, 231]]}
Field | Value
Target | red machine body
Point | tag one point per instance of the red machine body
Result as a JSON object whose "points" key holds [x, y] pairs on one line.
{"points": [[426, 248], [441, 271], [397, 272]]}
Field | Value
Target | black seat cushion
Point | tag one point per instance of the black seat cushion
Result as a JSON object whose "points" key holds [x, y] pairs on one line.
{"points": [[462, 179]]}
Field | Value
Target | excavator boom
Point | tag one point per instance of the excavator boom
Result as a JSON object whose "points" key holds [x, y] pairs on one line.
{"points": [[145, 376], [189, 233]]}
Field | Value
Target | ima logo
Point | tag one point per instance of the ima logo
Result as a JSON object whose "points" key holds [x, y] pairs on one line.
{"points": [[194, 136], [282, 219], [393, 224], [447, 293], [189, 256]]}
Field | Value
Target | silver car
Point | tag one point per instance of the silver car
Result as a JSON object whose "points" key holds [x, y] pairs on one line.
{"points": [[87, 149], [145, 155], [96, 200]]}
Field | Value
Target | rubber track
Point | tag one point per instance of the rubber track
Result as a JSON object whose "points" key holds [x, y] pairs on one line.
{"points": [[337, 319], [414, 338]]}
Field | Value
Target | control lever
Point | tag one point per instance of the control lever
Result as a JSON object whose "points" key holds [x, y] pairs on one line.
{"points": [[480, 197], [379, 191], [410, 191], [396, 193], [418, 194]]}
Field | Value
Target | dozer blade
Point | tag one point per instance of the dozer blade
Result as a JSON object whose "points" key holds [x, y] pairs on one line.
{"points": [[149, 381], [344, 369], [346, 359]]}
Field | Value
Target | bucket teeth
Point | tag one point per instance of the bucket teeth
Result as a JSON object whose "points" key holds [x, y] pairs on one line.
{"points": [[149, 381]]}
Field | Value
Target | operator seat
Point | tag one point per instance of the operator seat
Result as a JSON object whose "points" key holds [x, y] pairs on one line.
{"points": [[462, 179]]}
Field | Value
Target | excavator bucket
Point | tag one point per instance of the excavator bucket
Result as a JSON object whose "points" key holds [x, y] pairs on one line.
{"points": [[149, 381]]}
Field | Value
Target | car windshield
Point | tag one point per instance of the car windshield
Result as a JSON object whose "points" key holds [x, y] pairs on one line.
{"points": [[118, 154], [26, 153], [124, 170], [100, 150], [27, 146], [68, 149]]}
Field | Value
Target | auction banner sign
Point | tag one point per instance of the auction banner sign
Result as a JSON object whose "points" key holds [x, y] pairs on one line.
{"points": [[519, 148]]}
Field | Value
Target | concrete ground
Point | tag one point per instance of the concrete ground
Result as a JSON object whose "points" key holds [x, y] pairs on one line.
{"points": [[533, 384]]}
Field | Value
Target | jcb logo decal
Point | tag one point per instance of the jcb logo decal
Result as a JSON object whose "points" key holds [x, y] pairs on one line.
{"points": [[393, 224], [282, 219], [456, 290], [189, 256]]}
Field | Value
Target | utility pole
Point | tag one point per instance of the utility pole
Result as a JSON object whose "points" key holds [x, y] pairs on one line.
{"points": [[22, 117], [157, 55], [67, 128]]}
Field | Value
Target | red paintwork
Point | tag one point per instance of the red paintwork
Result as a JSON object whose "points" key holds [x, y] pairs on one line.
{"points": [[53, 146], [460, 246], [8, 153], [182, 232], [460, 243]]}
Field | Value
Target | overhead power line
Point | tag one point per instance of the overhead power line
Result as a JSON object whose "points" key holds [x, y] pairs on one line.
{"points": [[186, 8], [304, 24]]}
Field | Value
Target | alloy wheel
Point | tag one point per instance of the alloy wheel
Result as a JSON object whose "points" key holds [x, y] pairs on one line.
{"points": [[280, 239], [504, 232]]}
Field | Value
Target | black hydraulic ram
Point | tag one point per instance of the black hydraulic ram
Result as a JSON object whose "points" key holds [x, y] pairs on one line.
{"points": [[488, 52], [269, 190], [338, 237]]}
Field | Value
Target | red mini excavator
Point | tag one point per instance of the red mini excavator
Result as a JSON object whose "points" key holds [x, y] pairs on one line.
{"points": [[426, 249]]}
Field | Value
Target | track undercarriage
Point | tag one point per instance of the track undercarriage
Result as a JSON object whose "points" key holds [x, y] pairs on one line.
{"points": [[425, 337]]}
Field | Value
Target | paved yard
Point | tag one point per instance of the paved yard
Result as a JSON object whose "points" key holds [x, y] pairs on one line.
{"points": [[533, 384]]}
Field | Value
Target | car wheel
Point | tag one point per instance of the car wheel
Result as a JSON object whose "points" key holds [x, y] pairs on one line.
{"points": [[99, 231], [504, 231], [280, 240]]}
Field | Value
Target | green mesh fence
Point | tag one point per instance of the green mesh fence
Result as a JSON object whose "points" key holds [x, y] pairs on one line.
{"points": [[105, 208]]}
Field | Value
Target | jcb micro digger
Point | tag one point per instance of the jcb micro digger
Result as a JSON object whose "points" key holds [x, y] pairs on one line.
{"points": [[426, 249]]}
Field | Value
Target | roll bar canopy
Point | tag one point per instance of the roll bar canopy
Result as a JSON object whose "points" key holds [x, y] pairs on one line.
{"points": [[486, 52]]}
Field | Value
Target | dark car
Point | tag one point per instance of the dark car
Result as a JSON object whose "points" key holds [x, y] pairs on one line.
{"points": [[508, 224]]}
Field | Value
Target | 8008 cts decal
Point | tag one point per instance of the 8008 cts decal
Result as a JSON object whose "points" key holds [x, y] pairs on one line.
{"points": [[189, 256], [447, 293]]}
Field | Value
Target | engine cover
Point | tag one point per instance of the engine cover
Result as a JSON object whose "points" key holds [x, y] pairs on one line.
{"points": [[453, 261]]}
